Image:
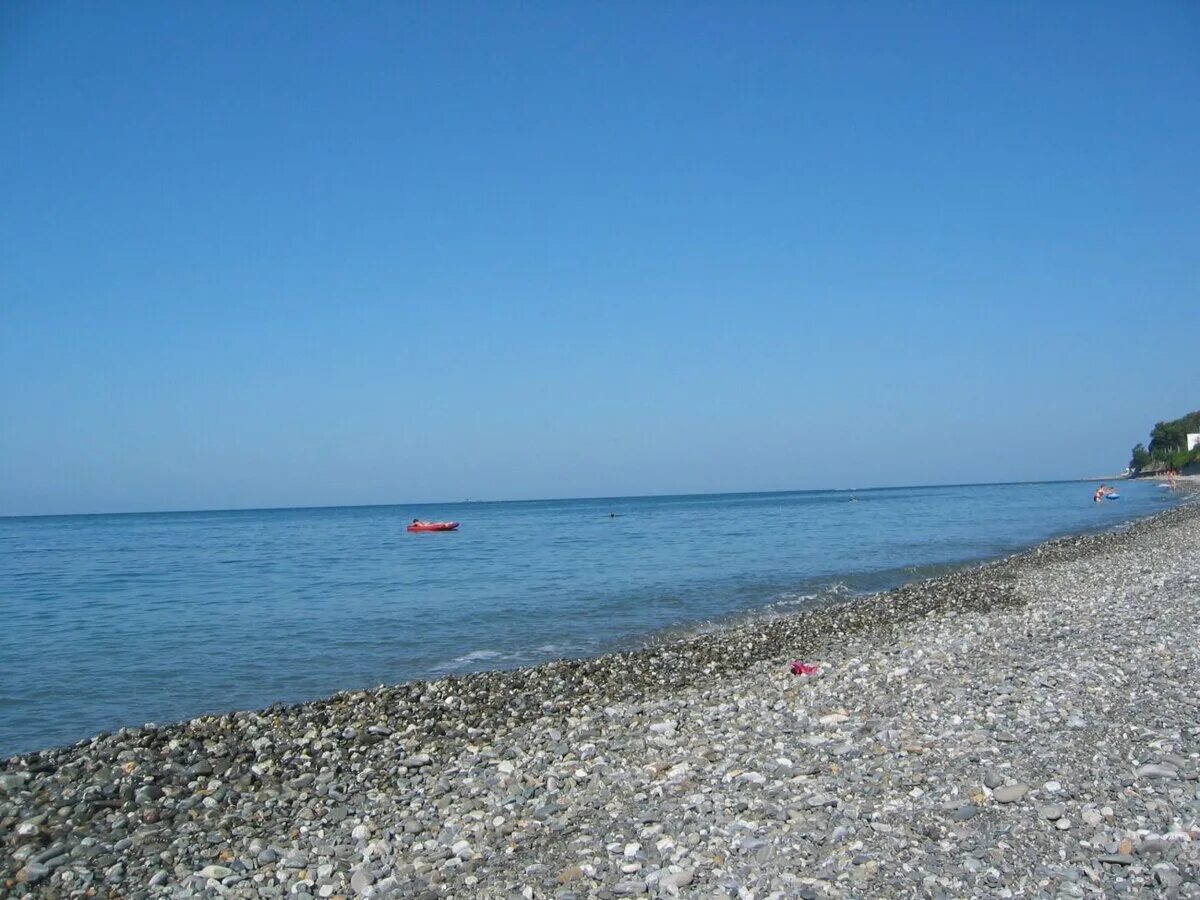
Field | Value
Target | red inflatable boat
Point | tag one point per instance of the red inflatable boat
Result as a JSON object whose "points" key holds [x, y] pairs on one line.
{"points": [[432, 526]]}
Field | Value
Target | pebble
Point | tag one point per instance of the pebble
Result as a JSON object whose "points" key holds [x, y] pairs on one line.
{"points": [[1155, 771], [1010, 793], [33, 873], [12, 782], [569, 874]]}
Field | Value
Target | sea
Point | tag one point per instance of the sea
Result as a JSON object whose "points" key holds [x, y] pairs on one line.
{"points": [[120, 620]]}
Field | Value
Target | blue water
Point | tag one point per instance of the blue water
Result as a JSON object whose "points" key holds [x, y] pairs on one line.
{"points": [[120, 620]]}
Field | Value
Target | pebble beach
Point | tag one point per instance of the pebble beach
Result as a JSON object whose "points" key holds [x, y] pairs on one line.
{"points": [[1029, 727]]}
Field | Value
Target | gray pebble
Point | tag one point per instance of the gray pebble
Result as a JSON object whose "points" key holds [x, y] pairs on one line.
{"points": [[1010, 793]]}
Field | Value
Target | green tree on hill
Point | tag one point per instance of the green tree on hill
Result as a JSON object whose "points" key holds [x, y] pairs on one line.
{"points": [[1168, 438], [1168, 444]]}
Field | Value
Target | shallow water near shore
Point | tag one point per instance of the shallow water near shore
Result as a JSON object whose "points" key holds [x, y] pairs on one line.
{"points": [[120, 620]]}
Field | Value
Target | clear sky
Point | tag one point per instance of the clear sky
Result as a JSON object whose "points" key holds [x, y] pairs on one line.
{"points": [[277, 254]]}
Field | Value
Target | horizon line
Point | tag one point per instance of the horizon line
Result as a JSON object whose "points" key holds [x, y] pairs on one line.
{"points": [[231, 509]]}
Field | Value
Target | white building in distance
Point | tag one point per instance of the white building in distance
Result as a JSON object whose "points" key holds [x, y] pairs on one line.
{"points": [[1193, 441]]}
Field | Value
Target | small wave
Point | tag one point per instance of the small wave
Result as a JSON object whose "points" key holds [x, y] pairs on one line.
{"points": [[472, 657], [832, 591], [499, 659], [487, 659]]}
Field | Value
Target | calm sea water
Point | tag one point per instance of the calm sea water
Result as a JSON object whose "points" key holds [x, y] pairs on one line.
{"points": [[119, 620]]}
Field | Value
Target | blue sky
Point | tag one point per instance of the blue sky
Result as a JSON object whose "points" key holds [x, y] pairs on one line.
{"points": [[307, 254]]}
